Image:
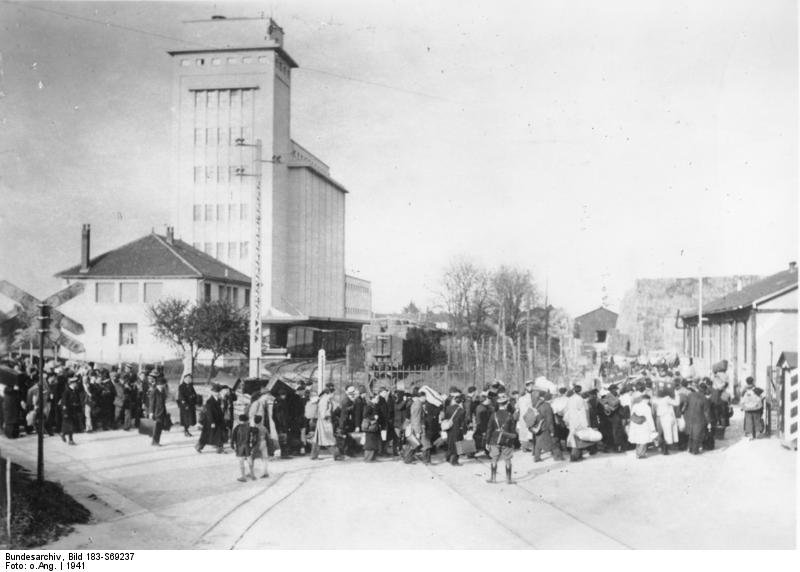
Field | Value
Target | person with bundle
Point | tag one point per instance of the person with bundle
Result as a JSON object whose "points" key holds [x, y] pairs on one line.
{"points": [[454, 424], [370, 425], [187, 403], [666, 422], [642, 430], [544, 431], [753, 406], [500, 439], [696, 412]]}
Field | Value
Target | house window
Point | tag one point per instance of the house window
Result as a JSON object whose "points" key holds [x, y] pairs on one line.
{"points": [[232, 251], [243, 211], [220, 212], [104, 293], [215, 61], [200, 61], [209, 212], [220, 292], [600, 336], [129, 292], [152, 291], [247, 60], [128, 334], [220, 250], [207, 292], [244, 250], [103, 329], [231, 211], [235, 297], [198, 212], [247, 297]]}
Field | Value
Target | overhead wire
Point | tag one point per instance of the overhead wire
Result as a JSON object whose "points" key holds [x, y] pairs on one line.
{"points": [[107, 24]]}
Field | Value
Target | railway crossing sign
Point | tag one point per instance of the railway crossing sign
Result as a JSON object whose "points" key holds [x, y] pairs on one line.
{"points": [[60, 324]]}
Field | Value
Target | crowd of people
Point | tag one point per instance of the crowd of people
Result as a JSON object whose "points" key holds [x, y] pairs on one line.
{"points": [[665, 412]]}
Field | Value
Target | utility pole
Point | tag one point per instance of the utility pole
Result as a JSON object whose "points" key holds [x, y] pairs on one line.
{"points": [[256, 283], [528, 336], [547, 328], [44, 327], [701, 350]]}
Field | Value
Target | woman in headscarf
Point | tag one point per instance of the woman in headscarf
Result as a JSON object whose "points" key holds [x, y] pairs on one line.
{"points": [[642, 429], [666, 421]]}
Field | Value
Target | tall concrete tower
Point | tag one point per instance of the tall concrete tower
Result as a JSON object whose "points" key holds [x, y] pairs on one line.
{"points": [[232, 84]]}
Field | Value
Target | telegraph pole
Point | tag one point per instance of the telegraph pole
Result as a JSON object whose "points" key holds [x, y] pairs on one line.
{"points": [[44, 326], [256, 282]]}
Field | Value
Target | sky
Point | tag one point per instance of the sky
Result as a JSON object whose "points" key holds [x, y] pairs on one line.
{"points": [[592, 143]]}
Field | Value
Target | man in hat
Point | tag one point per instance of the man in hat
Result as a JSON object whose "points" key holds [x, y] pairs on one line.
{"points": [[611, 422], [70, 406], [280, 416], [483, 411], [187, 403], [500, 438], [212, 422], [454, 413], [696, 413], [401, 408], [158, 410]]}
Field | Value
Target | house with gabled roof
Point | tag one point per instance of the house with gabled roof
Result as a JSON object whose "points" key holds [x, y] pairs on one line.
{"points": [[749, 327], [120, 284]]}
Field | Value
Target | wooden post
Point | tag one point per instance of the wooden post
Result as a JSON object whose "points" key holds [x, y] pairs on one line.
{"points": [[8, 499]]}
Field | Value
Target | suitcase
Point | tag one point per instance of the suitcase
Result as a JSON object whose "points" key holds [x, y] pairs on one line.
{"points": [[147, 426], [465, 447], [530, 418]]}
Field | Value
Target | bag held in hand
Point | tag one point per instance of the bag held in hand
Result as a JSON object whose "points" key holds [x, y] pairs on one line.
{"points": [[530, 418], [147, 426], [465, 447], [638, 419], [447, 424]]}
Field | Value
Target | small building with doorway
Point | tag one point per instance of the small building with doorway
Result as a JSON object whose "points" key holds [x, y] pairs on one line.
{"points": [[749, 327], [597, 332], [120, 284]]}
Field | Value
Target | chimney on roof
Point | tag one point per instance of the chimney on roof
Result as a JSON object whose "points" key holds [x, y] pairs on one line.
{"points": [[275, 32], [793, 265], [170, 235], [85, 239]]}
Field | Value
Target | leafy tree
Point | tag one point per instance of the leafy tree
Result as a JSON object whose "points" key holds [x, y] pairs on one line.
{"points": [[221, 329], [174, 321]]}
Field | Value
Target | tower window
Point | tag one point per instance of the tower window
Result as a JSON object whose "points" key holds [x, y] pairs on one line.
{"points": [[247, 60], [233, 61], [209, 212], [200, 61], [198, 212], [263, 59], [185, 63], [215, 61]]}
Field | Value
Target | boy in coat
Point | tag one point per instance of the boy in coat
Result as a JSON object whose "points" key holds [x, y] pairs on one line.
{"points": [[244, 441]]}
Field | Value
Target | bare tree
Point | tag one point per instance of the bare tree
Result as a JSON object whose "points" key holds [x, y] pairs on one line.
{"points": [[513, 290]]}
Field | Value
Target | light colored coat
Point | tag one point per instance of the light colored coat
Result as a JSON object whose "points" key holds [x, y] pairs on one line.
{"points": [[324, 435], [576, 416], [665, 411], [523, 405], [642, 433]]}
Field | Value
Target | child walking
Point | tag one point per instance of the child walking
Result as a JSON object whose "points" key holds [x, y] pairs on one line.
{"points": [[243, 441]]}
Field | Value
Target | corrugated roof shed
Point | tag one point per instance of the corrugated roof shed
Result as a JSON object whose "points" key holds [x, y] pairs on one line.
{"points": [[747, 296]]}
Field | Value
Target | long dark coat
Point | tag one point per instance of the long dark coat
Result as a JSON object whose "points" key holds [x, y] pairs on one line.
{"points": [[546, 435], [280, 415], [456, 432], [372, 436], [697, 415], [401, 410], [71, 409], [346, 418], [187, 404], [158, 405], [212, 412], [430, 421]]}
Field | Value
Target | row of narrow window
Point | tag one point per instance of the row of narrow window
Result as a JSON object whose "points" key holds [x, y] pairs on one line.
{"points": [[200, 62], [220, 213], [222, 250]]}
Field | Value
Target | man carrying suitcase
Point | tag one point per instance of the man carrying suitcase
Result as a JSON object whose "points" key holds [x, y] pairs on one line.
{"points": [[158, 410]]}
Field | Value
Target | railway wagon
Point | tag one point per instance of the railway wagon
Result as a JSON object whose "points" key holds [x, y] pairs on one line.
{"points": [[401, 344], [305, 341]]}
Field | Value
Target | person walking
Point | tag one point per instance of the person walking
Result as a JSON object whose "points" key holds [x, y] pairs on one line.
{"points": [[212, 423], [454, 424], [576, 417], [158, 411], [642, 430], [244, 440], [187, 403], [753, 406], [70, 406], [370, 425], [544, 435], [415, 432], [483, 411], [324, 435], [666, 422], [500, 437], [696, 412], [260, 451], [525, 404], [346, 424]]}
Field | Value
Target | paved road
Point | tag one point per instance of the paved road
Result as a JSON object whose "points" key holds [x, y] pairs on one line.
{"points": [[173, 497]]}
